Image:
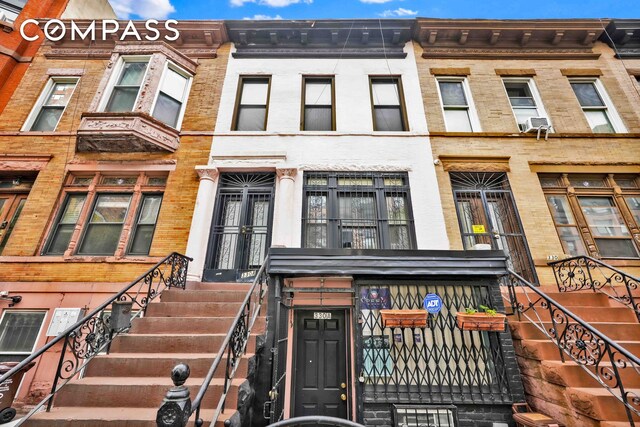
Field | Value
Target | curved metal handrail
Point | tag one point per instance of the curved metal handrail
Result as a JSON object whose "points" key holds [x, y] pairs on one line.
{"points": [[584, 344], [584, 272], [92, 334], [315, 420]]}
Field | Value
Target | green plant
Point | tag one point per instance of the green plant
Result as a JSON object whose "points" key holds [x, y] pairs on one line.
{"points": [[489, 311], [469, 310]]}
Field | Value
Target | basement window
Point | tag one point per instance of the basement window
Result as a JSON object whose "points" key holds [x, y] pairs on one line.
{"points": [[424, 416], [19, 331]]}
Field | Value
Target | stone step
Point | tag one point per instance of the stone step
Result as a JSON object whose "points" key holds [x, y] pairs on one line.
{"points": [[570, 374], [192, 309], [562, 413], [137, 392], [157, 365], [179, 295], [617, 314], [572, 299], [229, 286], [599, 403], [616, 331], [72, 416], [195, 325], [547, 350], [171, 343]]}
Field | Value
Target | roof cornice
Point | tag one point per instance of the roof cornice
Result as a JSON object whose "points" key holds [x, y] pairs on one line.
{"points": [[467, 38], [623, 35]]}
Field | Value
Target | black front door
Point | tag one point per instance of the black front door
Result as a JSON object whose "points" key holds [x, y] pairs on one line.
{"points": [[320, 364], [241, 229]]}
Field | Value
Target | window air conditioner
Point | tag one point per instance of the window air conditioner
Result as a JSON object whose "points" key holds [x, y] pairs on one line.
{"points": [[533, 124]]}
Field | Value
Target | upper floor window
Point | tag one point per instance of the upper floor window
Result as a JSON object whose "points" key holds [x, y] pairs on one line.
{"points": [[172, 96], [10, 9], [601, 212], [99, 209], [365, 210], [388, 104], [252, 104], [54, 99], [524, 99], [318, 104], [597, 106], [126, 88], [459, 116]]}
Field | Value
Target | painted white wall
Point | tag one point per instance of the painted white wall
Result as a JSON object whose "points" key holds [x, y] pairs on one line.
{"points": [[352, 147]]}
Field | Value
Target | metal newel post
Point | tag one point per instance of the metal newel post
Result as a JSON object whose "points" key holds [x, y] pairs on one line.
{"points": [[176, 406]]}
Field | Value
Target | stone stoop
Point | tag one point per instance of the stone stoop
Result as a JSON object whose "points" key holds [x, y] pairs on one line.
{"points": [[125, 388], [565, 391]]}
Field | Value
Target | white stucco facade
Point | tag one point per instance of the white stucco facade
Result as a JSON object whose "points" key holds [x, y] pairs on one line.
{"points": [[354, 146]]}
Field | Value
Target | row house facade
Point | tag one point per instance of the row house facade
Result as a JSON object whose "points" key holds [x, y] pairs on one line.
{"points": [[364, 165]]}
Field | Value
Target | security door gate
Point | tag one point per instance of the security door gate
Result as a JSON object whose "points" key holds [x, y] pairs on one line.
{"points": [[241, 229], [487, 214]]}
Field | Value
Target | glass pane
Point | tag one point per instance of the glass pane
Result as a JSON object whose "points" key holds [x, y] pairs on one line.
{"points": [[599, 121], [47, 119], [316, 236], [452, 93], [150, 209], [626, 181], [571, 241], [72, 209], [355, 208], [60, 94], [396, 209], [522, 114], [316, 209], [587, 94], [399, 236], [616, 248], [355, 181], [560, 209], [603, 217], [457, 120], [254, 92], [251, 118], [19, 331], [388, 119], [101, 239], [317, 118], [385, 92], [174, 85], [318, 92], [12, 224], [519, 94], [60, 241], [587, 181], [111, 208], [142, 240], [119, 180], [157, 181], [122, 99], [132, 73], [633, 202], [167, 110], [2, 203]]}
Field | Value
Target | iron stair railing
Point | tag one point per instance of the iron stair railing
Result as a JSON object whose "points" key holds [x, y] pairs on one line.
{"points": [[598, 355], [93, 334], [315, 420], [584, 272], [177, 406]]}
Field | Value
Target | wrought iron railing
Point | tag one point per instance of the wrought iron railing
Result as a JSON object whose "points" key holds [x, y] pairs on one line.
{"points": [[584, 272], [315, 420], [93, 334], [177, 407], [598, 355]]}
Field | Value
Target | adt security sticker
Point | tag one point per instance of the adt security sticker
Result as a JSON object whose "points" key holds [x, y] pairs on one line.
{"points": [[432, 303]]}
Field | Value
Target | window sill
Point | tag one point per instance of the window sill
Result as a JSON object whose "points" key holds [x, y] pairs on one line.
{"points": [[45, 259]]}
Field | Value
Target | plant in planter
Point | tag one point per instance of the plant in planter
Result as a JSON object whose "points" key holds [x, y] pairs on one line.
{"points": [[487, 320], [404, 318]]}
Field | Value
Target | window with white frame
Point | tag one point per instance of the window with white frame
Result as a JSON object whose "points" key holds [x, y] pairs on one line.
{"points": [[126, 88], [597, 106], [48, 110], [172, 96], [19, 331], [524, 99], [459, 114]]}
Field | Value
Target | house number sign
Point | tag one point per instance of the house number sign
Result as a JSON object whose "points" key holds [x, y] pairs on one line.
{"points": [[321, 315]]}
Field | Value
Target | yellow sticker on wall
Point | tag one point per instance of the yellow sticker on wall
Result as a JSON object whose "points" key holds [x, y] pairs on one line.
{"points": [[478, 228]]}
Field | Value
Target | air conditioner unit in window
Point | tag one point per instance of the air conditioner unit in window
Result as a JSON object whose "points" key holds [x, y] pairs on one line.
{"points": [[534, 124]]}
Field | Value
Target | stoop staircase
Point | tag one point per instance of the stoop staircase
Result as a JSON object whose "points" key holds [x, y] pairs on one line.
{"points": [[126, 387], [563, 390]]}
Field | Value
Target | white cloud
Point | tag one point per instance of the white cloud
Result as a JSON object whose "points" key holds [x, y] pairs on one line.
{"points": [[263, 18], [398, 12], [272, 3], [375, 1], [145, 9]]}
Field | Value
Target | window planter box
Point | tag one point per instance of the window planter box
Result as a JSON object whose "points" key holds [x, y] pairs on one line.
{"points": [[481, 322], [404, 318]]}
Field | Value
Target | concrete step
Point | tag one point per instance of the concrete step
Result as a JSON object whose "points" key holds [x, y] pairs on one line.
{"points": [[616, 331], [171, 343], [195, 325], [547, 350], [563, 413], [137, 392], [573, 299], [599, 403], [179, 295], [157, 365], [112, 417], [617, 314], [192, 309]]}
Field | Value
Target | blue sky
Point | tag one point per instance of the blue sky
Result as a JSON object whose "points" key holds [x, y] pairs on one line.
{"points": [[305, 9]]}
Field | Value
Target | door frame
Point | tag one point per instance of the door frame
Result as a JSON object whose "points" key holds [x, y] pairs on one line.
{"points": [[348, 325]]}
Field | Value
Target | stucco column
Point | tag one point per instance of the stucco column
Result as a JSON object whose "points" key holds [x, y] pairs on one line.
{"points": [[201, 222], [283, 217]]}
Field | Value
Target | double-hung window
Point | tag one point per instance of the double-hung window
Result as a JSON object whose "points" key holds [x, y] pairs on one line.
{"points": [[126, 89], [97, 209], [388, 104], [459, 116], [48, 110], [365, 210], [318, 104], [597, 106], [19, 331], [252, 104], [172, 96], [524, 99]]}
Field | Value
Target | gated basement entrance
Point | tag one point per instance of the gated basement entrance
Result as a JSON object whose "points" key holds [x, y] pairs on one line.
{"points": [[320, 371], [241, 228]]}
